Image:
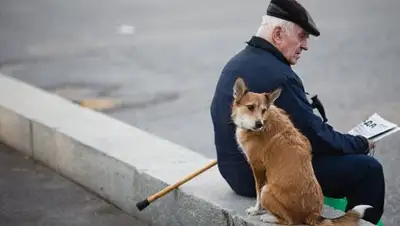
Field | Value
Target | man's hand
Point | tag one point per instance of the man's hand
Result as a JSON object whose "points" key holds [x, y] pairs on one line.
{"points": [[371, 144]]}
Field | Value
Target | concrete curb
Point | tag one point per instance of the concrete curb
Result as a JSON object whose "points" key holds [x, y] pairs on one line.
{"points": [[117, 161]]}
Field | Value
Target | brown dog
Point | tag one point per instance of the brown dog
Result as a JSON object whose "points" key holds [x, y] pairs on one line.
{"points": [[278, 153]]}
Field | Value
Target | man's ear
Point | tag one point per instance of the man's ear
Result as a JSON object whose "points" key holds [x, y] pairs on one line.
{"points": [[272, 96], [239, 89], [277, 35]]}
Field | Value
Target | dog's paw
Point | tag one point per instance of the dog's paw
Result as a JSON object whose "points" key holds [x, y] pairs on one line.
{"points": [[268, 218], [255, 210]]}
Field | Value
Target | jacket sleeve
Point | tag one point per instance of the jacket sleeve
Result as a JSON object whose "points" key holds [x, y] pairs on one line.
{"points": [[323, 138]]}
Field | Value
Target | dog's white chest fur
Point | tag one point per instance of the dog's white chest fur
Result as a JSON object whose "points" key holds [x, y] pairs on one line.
{"points": [[240, 142]]}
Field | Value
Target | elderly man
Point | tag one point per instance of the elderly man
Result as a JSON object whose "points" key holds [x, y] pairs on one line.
{"points": [[341, 161]]}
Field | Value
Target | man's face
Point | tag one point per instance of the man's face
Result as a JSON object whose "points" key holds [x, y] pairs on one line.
{"points": [[292, 43]]}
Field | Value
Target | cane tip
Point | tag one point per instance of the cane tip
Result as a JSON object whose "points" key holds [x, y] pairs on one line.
{"points": [[142, 204]]}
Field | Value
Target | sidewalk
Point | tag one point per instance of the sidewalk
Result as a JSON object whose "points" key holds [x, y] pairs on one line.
{"points": [[33, 195]]}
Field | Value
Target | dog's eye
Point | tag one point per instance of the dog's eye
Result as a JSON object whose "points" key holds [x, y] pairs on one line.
{"points": [[263, 111], [250, 107]]}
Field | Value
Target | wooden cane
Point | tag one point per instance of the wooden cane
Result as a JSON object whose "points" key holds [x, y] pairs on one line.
{"points": [[143, 204]]}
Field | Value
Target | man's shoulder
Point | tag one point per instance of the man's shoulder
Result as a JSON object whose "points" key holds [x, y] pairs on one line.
{"points": [[256, 60], [255, 57], [257, 66]]}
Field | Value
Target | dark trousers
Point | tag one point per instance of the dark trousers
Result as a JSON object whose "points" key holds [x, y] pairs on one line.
{"points": [[359, 178]]}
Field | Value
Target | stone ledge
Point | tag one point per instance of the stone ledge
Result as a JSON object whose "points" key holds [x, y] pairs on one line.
{"points": [[117, 161]]}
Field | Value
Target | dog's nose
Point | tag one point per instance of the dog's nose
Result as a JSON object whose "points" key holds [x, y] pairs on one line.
{"points": [[258, 124]]}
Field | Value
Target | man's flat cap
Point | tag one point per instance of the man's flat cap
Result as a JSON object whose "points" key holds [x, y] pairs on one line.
{"points": [[292, 11]]}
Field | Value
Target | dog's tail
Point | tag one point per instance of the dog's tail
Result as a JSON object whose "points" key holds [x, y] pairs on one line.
{"points": [[350, 218]]}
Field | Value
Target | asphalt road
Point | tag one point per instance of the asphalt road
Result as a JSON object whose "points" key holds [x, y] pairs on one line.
{"points": [[162, 60], [33, 195]]}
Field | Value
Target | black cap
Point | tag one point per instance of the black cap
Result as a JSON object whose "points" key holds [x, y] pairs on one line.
{"points": [[292, 11]]}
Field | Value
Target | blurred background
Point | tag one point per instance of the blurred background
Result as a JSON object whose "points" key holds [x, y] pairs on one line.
{"points": [[154, 64]]}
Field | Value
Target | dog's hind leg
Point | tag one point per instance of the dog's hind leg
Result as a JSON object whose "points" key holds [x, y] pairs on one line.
{"points": [[277, 213]]}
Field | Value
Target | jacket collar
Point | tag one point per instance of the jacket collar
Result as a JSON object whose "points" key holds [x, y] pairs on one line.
{"points": [[263, 44]]}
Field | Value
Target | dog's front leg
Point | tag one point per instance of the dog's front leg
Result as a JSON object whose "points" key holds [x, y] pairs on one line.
{"points": [[260, 180]]}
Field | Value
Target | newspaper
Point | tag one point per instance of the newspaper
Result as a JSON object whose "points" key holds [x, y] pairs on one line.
{"points": [[375, 128]]}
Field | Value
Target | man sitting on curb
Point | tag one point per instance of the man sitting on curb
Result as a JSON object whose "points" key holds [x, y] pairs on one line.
{"points": [[341, 161]]}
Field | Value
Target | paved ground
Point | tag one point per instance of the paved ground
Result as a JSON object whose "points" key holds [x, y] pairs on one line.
{"points": [[33, 195], [165, 67], [162, 59]]}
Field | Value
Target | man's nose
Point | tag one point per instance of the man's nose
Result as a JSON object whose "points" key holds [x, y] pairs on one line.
{"points": [[304, 45]]}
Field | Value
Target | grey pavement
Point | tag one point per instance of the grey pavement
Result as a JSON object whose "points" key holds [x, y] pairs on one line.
{"points": [[165, 67], [162, 60], [33, 195]]}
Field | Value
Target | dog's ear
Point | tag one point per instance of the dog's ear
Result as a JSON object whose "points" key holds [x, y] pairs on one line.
{"points": [[272, 96], [239, 89]]}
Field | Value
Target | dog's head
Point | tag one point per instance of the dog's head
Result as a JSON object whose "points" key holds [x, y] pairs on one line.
{"points": [[250, 109]]}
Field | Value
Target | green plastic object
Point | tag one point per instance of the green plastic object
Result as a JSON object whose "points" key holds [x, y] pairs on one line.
{"points": [[340, 204]]}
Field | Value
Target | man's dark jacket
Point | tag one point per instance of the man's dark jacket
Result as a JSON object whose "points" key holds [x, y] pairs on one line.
{"points": [[264, 68]]}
